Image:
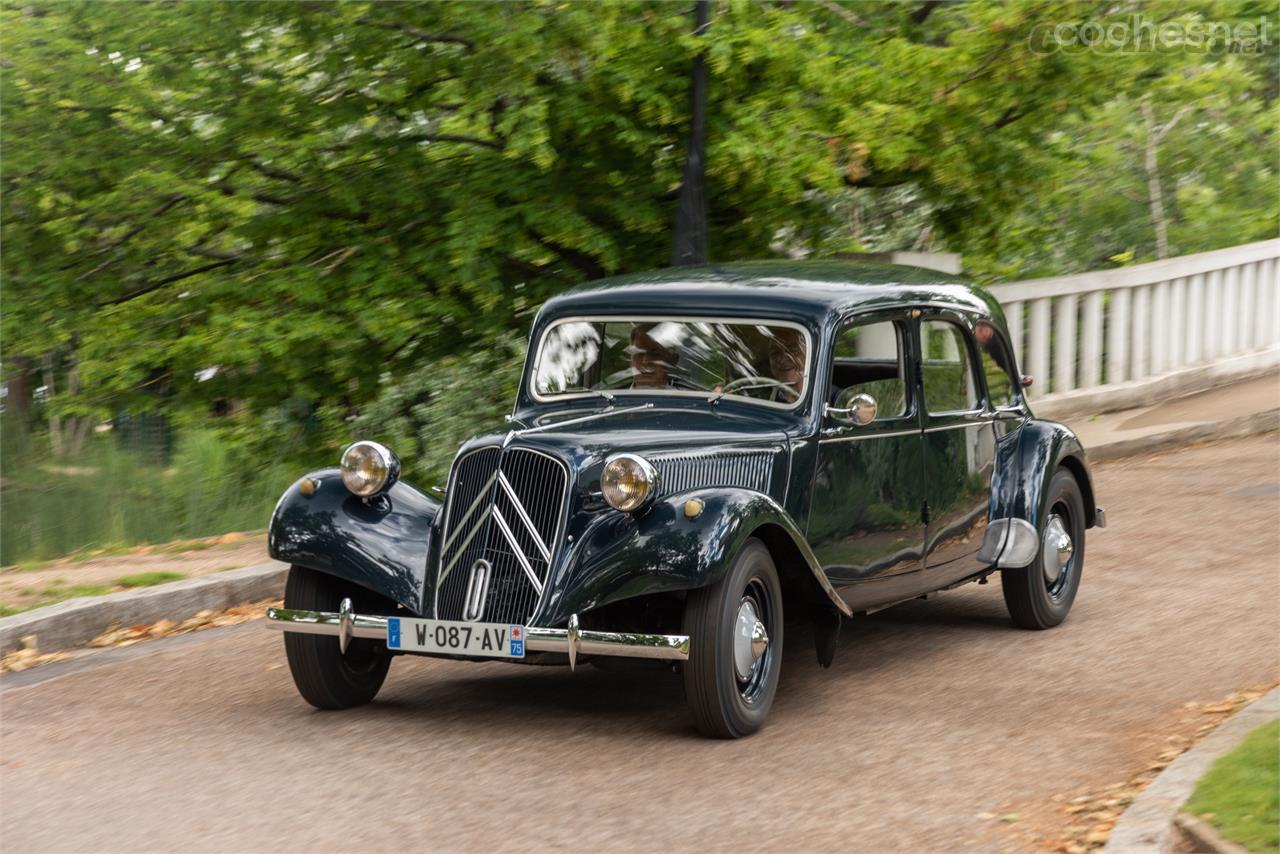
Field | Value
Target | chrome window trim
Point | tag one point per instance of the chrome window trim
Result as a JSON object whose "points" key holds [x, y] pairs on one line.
{"points": [[530, 382], [982, 423], [888, 434]]}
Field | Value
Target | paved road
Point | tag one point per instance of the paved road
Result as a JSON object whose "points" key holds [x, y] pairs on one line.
{"points": [[933, 713]]}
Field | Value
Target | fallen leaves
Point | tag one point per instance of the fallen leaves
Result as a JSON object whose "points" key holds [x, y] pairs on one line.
{"points": [[29, 655], [1089, 817]]}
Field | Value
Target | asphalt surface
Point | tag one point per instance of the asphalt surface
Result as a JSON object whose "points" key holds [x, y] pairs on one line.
{"points": [[935, 714]]}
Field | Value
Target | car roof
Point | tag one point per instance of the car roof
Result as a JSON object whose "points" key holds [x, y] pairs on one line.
{"points": [[814, 291]]}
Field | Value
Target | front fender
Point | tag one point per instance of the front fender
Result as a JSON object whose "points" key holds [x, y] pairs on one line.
{"points": [[382, 544], [621, 556]]}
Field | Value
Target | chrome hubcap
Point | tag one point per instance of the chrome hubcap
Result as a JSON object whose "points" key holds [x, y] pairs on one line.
{"points": [[749, 639], [1058, 548]]}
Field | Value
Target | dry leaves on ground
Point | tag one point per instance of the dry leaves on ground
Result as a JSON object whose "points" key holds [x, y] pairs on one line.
{"points": [[1090, 816], [30, 656]]}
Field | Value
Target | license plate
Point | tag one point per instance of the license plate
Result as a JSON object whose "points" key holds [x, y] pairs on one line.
{"points": [[450, 637]]}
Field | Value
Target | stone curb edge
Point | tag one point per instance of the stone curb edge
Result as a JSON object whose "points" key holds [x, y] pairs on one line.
{"points": [[77, 621], [1245, 425], [1203, 837], [1148, 825]]}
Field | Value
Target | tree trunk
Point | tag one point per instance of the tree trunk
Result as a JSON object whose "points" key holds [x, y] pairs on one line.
{"points": [[691, 207], [1151, 163]]}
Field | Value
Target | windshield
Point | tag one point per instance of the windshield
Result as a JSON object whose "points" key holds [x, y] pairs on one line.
{"points": [[762, 361]]}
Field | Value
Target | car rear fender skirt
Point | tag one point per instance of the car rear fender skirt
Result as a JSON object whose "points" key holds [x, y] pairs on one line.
{"points": [[680, 542], [380, 543]]}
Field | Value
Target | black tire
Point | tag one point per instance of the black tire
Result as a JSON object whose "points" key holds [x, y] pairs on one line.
{"points": [[1034, 601], [327, 678], [724, 706]]}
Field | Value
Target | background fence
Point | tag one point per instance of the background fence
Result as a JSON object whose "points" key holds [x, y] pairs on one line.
{"points": [[1108, 339]]}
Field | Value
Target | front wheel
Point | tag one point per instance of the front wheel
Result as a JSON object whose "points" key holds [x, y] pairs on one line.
{"points": [[735, 637], [1040, 595], [326, 677]]}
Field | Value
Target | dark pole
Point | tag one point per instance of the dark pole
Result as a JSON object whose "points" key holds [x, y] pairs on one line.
{"points": [[691, 206]]}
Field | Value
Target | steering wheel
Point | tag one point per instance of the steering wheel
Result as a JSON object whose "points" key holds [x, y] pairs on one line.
{"points": [[759, 382]]}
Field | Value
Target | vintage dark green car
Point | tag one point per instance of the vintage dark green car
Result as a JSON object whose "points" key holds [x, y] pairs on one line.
{"points": [[694, 453]]}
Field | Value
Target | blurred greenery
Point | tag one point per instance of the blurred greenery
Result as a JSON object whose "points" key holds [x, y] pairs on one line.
{"points": [[281, 225], [106, 496]]}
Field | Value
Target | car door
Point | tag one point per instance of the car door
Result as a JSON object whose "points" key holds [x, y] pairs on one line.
{"points": [[959, 446], [865, 522]]}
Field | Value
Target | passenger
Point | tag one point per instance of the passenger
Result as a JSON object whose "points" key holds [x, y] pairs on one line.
{"points": [[650, 360], [786, 362]]}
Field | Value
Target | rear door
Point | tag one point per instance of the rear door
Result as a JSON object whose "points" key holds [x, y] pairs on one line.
{"points": [[959, 446]]}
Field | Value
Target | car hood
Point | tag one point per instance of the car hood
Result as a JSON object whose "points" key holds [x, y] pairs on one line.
{"points": [[581, 438]]}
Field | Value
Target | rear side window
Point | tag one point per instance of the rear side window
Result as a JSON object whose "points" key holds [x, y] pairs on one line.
{"points": [[996, 365], [949, 384], [868, 360]]}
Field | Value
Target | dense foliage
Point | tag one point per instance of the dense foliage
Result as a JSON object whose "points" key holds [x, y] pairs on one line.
{"points": [[288, 214]]}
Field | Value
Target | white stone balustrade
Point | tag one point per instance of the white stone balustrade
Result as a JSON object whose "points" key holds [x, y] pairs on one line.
{"points": [[1108, 338]]}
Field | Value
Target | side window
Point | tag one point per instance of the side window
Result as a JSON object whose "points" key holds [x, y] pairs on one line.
{"points": [[996, 364], [948, 377], [868, 360]]}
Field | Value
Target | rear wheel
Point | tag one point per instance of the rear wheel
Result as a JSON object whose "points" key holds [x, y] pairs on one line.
{"points": [[735, 637], [326, 677], [1039, 596]]}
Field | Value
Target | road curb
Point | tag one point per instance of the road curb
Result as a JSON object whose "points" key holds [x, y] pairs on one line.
{"points": [[77, 621], [1245, 425], [1148, 825]]}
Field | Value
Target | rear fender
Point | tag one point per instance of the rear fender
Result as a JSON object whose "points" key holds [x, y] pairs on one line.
{"points": [[382, 543], [1021, 490], [664, 549]]}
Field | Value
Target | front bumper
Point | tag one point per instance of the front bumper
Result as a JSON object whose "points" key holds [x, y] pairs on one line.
{"points": [[345, 624]]}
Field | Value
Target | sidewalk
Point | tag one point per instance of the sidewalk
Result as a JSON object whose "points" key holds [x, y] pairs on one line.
{"points": [[1251, 406]]}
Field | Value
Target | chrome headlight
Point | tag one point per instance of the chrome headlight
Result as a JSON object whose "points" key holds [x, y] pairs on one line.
{"points": [[369, 468], [628, 482]]}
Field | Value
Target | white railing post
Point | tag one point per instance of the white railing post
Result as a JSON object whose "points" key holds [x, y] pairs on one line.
{"points": [[1159, 327], [1038, 349], [1118, 338], [1248, 308], [1064, 357], [1141, 331], [1195, 318], [1177, 323], [1230, 310], [1091, 341]]}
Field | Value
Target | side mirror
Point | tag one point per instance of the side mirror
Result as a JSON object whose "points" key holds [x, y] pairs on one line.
{"points": [[859, 410]]}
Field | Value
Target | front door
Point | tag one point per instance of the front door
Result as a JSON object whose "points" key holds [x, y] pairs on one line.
{"points": [[865, 523], [959, 447]]}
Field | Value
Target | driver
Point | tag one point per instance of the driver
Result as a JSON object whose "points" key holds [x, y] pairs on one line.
{"points": [[786, 361], [650, 360]]}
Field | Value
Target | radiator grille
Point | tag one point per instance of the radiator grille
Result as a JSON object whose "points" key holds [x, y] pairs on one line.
{"points": [[746, 469], [505, 507]]}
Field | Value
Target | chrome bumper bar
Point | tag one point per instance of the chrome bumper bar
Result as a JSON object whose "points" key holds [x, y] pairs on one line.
{"points": [[573, 641]]}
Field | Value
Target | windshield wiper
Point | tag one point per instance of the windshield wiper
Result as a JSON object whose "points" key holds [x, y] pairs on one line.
{"points": [[602, 393]]}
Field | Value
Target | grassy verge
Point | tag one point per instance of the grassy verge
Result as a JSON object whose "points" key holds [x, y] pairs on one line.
{"points": [[1240, 796], [108, 499], [59, 591]]}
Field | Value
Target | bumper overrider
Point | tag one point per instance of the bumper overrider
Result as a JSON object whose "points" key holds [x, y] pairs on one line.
{"points": [[345, 624]]}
